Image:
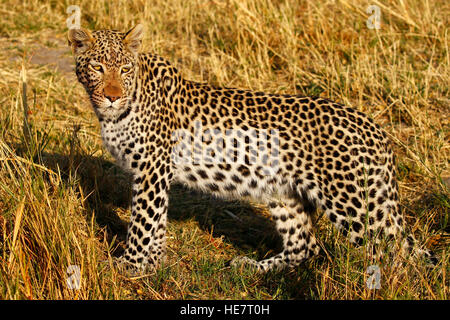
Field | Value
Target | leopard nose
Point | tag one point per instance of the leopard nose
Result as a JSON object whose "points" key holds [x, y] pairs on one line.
{"points": [[112, 92], [112, 98]]}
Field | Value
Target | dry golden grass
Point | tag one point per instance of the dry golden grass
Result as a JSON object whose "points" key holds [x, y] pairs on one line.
{"points": [[63, 202]]}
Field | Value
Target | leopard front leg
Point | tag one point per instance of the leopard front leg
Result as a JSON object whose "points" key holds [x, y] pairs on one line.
{"points": [[146, 243]]}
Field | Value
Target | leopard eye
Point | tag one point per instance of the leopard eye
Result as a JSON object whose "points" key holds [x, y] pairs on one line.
{"points": [[97, 68], [125, 69]]}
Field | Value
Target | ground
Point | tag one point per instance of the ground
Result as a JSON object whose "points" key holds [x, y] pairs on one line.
{"points": [[64, 202]]}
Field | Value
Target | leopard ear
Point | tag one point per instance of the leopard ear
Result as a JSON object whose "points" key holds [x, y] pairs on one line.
{"points": [[133, 38], [80, 40]]}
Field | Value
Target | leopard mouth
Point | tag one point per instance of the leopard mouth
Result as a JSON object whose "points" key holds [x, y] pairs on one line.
{"points": [[104, 105]]}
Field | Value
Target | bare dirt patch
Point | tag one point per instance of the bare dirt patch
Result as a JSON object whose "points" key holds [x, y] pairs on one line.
{"points": [[50, 52]]}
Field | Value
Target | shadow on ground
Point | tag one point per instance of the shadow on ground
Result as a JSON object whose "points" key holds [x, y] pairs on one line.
{"points": [[242, 225], [246, 227], [108, 194]]}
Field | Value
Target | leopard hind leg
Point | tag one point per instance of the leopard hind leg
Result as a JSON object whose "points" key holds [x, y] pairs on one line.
{"points": [[294, 224]]}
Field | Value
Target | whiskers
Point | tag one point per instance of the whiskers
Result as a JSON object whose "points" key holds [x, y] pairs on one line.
{"points": [[126, 98], [104, 105]]}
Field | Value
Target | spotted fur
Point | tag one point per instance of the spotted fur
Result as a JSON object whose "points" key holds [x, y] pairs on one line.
{"points": [[329, 157]]}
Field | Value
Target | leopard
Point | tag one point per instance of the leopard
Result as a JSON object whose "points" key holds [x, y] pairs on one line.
{"points": [[297, 155]]}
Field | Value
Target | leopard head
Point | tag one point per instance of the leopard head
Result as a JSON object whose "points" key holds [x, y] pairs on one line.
{"points": [[107, 65]]}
